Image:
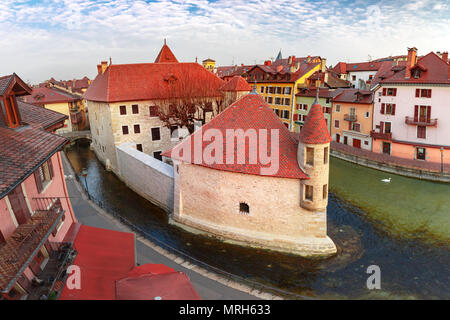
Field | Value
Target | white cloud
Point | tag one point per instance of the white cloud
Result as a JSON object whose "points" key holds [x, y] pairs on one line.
{"points": [[67, 38]]}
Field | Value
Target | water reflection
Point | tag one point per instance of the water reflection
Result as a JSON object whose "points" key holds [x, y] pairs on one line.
{"points": [[409, 268]]}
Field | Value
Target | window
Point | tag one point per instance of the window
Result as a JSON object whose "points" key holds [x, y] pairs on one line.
{"points": [[261, 89], [287, 90], [420, 153], [336, 124], [305, 107], [387, 127], [309, 192], [285, 114], [153, 111], [356, 127], [278, 90], [123, 110], [337, 108], [387, 108], [156, 134], [367, 114], [137, 128], [277, 100], [157, 155], [135, 108], [325, 191], [389, 91], [270, 100], [354, 78], [421, 132], [139, 147], [298, 106], [277, 112], [244, 208], [386, 148], [287, 101], [43, 175], [327, 101], [309, 156], [325, 155], [124, 129], [370, 76], [423, 93]]}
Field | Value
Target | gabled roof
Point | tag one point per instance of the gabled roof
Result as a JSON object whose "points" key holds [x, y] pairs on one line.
{"points": [[315, 129], [165, 55], [14, 83], [354, 96], [39, 116], [153, 81], [45, 95], [434, 70], [249, 112], [237, 83]]}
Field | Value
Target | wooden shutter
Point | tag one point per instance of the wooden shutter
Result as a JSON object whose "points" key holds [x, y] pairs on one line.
{"points": [[382, 108], [393, 109], [381, 126], [37, 178], [394, 93], [384, 91], [428, 114], [50, 168], [416, 112], [429, 93], [295, 117], [417, 93]]}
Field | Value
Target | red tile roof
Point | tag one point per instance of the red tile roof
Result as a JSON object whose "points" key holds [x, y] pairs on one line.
{"points": [[165, 55], [39, 116], [435, 70], [237, 83], [323, 92], [315, 129], [354, 96], [151, 81], [22, 151], [4, 82], [44, 95], [249, 112]]}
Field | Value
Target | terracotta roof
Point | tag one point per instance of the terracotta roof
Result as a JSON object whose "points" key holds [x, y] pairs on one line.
{"points": [[237, 83], [323, 92], [149, 81], [13, 83], [165, 55], [249, 112], [230, 71], [354, 96], [435, 70], [340, 68], [4, 81], [22, 150], [45, 95], [315, 129], [39, 116]]}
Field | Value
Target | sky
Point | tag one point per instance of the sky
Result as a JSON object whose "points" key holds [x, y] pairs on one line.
{"points": [[66, 39]]}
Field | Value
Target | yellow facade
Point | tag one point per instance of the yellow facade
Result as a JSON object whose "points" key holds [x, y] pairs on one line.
{"points": [[280, 95], [64, 108], [209, 64]]}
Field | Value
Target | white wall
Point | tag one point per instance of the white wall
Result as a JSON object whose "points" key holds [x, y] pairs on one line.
{"points": [[147, 176]]}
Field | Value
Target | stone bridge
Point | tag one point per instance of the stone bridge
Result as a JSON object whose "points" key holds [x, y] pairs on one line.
{"points": [[76, 135]]}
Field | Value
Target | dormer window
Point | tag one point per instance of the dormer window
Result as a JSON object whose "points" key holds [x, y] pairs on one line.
{"points": [[10, 112], [416, 73], [13, 87]]}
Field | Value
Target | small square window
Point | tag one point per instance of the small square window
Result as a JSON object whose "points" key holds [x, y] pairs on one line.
{"points": [[309, 192], [153, 111], [123, 110], [125, 129], [139, 147], [156, 134], [135, 108], [137, 128], [157, 155]]}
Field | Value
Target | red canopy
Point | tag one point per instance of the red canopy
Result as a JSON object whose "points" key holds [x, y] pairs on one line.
{"points": [[166, 286]]}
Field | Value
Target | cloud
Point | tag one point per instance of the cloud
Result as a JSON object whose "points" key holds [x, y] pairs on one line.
{"points": [[67, 38]]}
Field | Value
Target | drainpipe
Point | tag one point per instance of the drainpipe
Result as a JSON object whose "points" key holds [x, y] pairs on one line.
{"points": [[442, 160]]}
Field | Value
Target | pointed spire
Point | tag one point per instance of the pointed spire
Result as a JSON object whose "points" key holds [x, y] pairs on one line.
{"points": [[279, 56], [316, 101], [165, 54], [165, 41], [315, 129], [254, 89]]}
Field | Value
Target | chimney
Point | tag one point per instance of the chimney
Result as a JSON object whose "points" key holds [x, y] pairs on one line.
{"points": [[99, 68], [325, 77], [412, 55], [324, 64], [293, 59], [445, 56], [290, 60], [104, 66], [268, 62]]}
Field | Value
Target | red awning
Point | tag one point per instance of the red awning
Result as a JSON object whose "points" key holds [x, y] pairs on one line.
{"points": [[166, 286]]}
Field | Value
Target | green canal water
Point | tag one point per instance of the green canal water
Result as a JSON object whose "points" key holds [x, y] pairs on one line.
{"points": [[405, 207], [402, 227]]}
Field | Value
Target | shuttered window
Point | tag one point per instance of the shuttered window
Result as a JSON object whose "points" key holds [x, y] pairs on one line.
{"points": [[421, 132], [43, 175]]}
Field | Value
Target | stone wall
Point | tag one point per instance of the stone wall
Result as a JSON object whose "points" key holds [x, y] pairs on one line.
{"points": [[209, 200], [147, 176]]}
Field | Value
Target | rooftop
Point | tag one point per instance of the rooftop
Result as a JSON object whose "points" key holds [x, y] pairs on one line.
{"points": [[46, 95], [237, 83], [315, 129]]}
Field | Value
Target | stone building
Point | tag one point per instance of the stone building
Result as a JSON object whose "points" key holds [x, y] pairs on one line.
{"points": [[124, 102], [244, 201], [234, 89]]}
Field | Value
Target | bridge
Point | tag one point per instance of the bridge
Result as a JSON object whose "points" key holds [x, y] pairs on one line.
{"points": [[76, 135]]}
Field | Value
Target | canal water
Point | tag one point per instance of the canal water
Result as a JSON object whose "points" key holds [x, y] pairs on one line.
{"points": [[402, 227]]}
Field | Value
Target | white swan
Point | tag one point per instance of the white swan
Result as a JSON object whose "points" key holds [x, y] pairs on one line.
{"points": [[386, 180]]}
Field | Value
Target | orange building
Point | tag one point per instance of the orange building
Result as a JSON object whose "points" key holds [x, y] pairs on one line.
{"points": [[351, 119]]}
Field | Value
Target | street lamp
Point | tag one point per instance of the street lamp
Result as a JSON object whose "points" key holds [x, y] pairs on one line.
{"points": [[442, 160], [84, 174]]}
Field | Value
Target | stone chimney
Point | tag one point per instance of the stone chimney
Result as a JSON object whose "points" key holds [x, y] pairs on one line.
{"points": [[104, 66], [323, 65], [412, 55], [99, 68], [445, 56]]}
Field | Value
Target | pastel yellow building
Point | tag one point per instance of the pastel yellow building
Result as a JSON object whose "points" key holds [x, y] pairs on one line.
{"points": [[278, 81], [209, 64]]}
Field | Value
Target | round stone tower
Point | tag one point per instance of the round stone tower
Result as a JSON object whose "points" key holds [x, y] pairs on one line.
{"points": [[313, 158]]}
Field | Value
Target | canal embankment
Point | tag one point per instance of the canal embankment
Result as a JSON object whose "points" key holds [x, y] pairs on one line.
{"points": [[418, 169]]}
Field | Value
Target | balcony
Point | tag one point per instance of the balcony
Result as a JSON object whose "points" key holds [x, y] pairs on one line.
{"points": [[350, 117], [381, 135], [419, 121], [26, 241]]}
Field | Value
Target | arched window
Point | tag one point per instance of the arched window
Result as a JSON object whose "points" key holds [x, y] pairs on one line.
{"points": [[244, 208]]}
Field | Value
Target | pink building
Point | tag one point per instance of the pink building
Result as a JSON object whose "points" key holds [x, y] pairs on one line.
{"points": [[411, 109], [35, 212]]}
